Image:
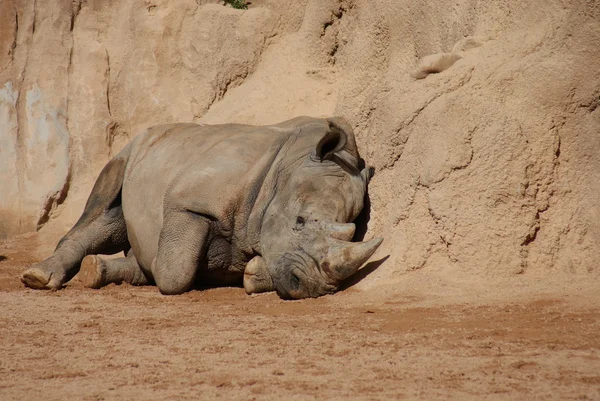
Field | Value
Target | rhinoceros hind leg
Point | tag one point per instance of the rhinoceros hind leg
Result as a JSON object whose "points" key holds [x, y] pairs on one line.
{"points": [[39, 277], [96, 271], [100, 229]]}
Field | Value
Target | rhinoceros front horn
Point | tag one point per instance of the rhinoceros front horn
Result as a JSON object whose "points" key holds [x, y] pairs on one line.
{"points": [[345, 258]]}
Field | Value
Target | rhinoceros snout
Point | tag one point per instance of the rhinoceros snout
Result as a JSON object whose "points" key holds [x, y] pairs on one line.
{"points": [[310, 270], [291, 284], [343, 259]]}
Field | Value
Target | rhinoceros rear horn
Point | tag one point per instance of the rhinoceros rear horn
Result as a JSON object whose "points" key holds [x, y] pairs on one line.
{"points": [[345, 258], [341, 231]]}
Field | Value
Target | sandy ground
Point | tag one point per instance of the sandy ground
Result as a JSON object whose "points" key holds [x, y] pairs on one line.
{"points": [[125, 342]]}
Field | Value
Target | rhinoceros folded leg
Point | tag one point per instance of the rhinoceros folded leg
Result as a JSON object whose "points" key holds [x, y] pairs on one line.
{"points": [[181, 244], [97, 271], [100, 229], [256, 277]]}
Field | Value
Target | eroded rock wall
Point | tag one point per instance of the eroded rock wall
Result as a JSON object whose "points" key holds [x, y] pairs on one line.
{"points": [[489, 167]]}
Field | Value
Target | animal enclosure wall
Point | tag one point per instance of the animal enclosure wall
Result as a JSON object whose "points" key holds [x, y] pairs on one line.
{"points": [[489, 168]]}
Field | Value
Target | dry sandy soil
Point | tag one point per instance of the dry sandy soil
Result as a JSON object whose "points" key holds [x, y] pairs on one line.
{"points": [[125, 342], [486, 193]]}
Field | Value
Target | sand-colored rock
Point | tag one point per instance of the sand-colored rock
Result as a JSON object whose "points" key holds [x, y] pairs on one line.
{"points": [[486, 191], [488, 168]]}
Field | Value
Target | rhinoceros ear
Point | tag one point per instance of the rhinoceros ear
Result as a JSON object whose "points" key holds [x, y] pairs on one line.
{"points": [[333, 141]]}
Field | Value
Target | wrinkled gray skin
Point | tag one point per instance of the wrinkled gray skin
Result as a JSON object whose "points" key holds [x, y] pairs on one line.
{"points": [[220, 205]]}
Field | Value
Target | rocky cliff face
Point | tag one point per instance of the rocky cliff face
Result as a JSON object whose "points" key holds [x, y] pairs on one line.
{"points": [[489, 167]]}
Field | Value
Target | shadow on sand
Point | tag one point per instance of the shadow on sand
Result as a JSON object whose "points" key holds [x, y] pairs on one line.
{"points": [[362, 273]]}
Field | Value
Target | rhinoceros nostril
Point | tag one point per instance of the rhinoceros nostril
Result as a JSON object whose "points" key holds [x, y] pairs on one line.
{"points": [[294, 281]]}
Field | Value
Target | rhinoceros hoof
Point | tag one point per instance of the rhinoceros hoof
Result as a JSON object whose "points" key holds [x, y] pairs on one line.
{"points": [[91, 271], [39, 279]]}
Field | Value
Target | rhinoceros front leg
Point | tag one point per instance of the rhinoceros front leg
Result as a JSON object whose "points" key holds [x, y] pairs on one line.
{"points": [[100, 229], [256, 277], [181, 245]]}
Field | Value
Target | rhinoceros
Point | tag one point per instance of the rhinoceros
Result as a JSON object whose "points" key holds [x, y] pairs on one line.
{"points": [[268, 207]]}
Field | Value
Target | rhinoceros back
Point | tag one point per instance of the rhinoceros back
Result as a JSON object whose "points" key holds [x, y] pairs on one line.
{"points": [[205, 168]]}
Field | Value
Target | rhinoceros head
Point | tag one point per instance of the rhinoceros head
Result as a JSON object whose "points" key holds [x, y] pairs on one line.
{"points": [[307, 227]]}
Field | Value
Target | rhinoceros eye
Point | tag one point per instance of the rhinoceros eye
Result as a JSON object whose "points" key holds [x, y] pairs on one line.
{"points": [[299, 223]]}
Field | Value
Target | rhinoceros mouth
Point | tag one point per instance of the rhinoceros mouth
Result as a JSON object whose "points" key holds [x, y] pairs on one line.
{"points": [[294, 284]]}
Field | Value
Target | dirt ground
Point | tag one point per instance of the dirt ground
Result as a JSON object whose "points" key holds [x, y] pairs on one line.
{"points": [[125, 342]]}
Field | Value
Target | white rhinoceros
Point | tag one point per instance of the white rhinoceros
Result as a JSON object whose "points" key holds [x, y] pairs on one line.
{"points": [[270, 207]]}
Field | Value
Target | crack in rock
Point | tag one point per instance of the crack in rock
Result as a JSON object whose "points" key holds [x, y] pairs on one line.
{"points": [[13, 46], [53, 201], [543, 186], [333, 25], [108, 82]]}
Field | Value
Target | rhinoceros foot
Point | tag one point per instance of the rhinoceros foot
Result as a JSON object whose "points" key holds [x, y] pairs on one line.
{"points": [[90, 274], [256, 277], [40, 277]]}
